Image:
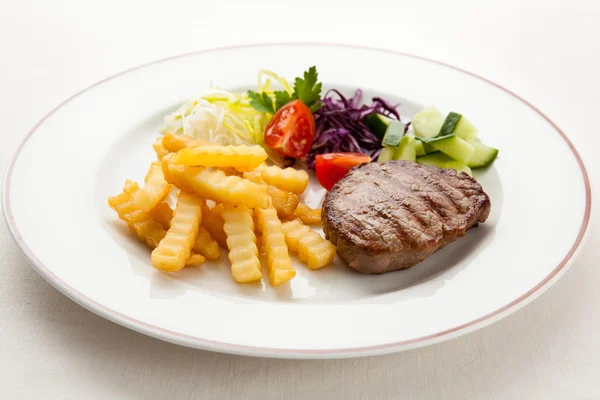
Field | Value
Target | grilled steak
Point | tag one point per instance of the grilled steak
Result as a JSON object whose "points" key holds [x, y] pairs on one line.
{"points": [[388, 216]]}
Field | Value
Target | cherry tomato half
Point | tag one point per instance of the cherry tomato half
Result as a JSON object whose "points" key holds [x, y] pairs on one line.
{"points": [[332, 167], [291, 131]]}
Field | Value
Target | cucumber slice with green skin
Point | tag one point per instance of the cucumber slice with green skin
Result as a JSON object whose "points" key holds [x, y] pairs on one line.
{"points": [[443, 161], [458, 125], [378, 124], [483, 156], [419, 148], [406, 150], [428, 148], [387, 154], [393, 134], [455, 147], [450, 124], [428, 122], [465, 129]]}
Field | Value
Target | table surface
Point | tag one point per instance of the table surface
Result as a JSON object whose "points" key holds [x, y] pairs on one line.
{"points": [[546, 51]]}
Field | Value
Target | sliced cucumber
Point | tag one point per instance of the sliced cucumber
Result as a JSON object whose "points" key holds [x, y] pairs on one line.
{"points": [[393, 134], [450, 124], [429, 148], [465, 129], [483, 156], [428, 122], [419, 148], [443, 161], [406, 150], [387, 154], [378, 124], [458, 125], [455, 147]]}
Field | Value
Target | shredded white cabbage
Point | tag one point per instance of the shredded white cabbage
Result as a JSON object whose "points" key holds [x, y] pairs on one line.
{"points": [[219, 116], [224, 117]]}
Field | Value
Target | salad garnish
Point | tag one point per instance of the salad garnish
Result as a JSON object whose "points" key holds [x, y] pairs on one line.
{"points": [[307, 90], [332, 167], [342, 125], [291, 131], [219, 116], [294, 122]]}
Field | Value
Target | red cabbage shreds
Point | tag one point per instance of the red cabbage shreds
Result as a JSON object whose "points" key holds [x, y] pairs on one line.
{"points": [[340, 125]]}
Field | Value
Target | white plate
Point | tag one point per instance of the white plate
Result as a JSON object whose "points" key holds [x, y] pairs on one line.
{"points": [[56, 188]]}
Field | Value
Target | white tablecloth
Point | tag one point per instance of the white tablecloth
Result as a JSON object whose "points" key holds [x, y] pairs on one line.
{"points": [[547, 51]]}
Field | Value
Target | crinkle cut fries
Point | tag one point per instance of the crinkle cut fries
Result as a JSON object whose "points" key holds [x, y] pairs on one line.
{"points": [[226, 197]]}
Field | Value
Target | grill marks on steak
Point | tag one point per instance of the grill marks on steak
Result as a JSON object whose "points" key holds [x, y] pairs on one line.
{"points": [[388, 216]]}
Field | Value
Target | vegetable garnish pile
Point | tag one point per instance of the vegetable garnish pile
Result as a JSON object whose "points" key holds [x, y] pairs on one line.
{"points": [[295, 122], [307, 90], [346, 125], [291, 131], [444, 141], [219, 116]]}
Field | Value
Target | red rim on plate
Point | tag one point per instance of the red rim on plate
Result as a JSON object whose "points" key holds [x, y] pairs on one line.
{"points": [[187, 340]]}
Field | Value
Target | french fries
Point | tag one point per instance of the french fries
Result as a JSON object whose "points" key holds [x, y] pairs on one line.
{"points": [[307, 215], [212, 221], [243, 253], [231, 171], [162, 214], [284, 202], [288, 179], [195, 260], [215, 185], [206, 245], [176, 247], [155, 189], [146, 229], [242, 158], [159, 149], [312, 249], [279, 262], [293, 230], [173, 143], [256, 220], [173, 174], [250, 199]]}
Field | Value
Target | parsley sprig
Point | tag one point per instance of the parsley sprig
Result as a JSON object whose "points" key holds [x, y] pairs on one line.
{"points": [[306, 90]]}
